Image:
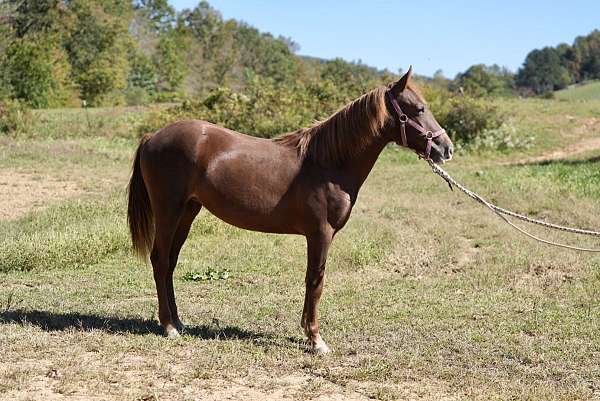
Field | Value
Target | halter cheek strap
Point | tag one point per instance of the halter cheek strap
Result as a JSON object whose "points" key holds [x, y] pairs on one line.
{"points": [[404, 119]]}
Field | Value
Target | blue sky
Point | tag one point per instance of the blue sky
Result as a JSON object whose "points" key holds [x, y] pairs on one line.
{"points": [[449, 35]]}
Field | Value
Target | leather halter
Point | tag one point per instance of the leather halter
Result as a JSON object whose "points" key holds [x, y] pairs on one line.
{"points": [[404, 119]]}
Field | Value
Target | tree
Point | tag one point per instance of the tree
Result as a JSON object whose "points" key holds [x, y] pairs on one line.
{"points": [[169, 62], [570, 58], [159, 13], [97, 48], [543, 71], [38, 16], [142, 73], [37, 71], [481, 80], [588, 49]]}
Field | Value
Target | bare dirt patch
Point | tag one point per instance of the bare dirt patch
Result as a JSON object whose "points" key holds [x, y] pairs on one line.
{"points": [[572, 150], [579, 145], [22, 192], [306, 387]]}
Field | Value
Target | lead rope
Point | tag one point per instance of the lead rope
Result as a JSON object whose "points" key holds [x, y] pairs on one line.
{"points": [[502, 213]]}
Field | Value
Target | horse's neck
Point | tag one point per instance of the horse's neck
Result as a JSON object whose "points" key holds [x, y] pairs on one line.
{"points": [[360, 165]]}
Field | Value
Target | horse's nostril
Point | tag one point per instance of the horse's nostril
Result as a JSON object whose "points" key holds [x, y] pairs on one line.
{"points": [[449, 152]]}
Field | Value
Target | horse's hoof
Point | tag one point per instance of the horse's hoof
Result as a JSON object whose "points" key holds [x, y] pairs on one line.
{"points": [[321, 348], [171, 332]]}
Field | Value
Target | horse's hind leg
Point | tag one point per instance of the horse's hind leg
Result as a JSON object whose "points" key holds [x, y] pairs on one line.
{"points": [[190, 212]]}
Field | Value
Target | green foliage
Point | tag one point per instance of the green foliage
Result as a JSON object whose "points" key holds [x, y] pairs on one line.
{"points": [[210, 274], [37, 17], [15, 118], [481, 80], [37, 71], [169, 63], [352, 78], [264, 108], [543, 71], [473, 123], [264, 54], [136, 96], [586, 55], [97, 49], [112, 51], [143, 74], [464, 118], [551, 68], [158, 13], [502, 139]]}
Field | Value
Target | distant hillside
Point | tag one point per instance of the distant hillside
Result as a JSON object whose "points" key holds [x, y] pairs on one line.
{"points": [[587, 91]]}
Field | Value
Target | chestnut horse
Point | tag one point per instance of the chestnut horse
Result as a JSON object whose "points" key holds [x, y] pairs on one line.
{"points": [[305, 182]]}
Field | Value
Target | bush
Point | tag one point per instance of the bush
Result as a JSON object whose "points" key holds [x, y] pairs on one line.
{"points": [[38, 72], [266, 108], [473, 124], [135, 96], [15, 118], [502, 139], [263, 109], [466, 118]]}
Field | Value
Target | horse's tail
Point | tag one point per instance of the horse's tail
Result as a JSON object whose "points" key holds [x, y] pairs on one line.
{"points": [[139, 209]]}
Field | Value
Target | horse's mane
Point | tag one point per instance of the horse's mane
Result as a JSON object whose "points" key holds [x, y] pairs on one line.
{"points": [[345, 133]]}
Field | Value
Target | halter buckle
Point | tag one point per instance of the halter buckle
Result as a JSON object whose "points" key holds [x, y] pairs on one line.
{"points": [[403, 118], [429, 135]]}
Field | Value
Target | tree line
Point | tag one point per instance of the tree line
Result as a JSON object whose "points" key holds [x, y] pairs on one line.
{"points": [[56, 53], [553, 68], [543, 71]]}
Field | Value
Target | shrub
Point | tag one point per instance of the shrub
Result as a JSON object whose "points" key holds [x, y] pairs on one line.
{"points": [[15, 118], [474, 124], [465, 118], [266, 108], [38, 72], [263, 109], [135, 96], [503, 139]]}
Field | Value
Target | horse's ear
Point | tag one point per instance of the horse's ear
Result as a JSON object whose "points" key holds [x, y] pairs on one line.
{"points": [[401, 84]]}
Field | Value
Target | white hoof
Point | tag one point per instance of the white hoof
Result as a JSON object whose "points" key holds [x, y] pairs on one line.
{"points": [[320, 348], [171, 332]]}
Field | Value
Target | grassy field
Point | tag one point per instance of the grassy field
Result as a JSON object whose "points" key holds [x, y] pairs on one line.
{"points": [[587, 91], [427, 295]]}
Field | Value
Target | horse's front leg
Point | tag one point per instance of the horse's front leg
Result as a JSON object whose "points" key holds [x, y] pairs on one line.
{"points": [[318, 245]]}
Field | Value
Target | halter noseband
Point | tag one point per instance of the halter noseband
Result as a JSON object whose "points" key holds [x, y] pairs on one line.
{"points": [[404, 119]]}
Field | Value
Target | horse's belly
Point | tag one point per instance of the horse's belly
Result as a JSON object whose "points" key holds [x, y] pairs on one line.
{"points": [[249, 192], [256, 222]]}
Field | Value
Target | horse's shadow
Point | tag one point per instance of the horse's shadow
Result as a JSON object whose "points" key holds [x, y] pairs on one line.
{"points": [[50, 321]]}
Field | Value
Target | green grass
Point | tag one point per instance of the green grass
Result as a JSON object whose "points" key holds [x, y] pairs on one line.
{"points": [[427, 295], [585, 91]]}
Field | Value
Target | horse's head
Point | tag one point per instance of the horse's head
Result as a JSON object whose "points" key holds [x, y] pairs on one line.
{"points": [[414, 126]]}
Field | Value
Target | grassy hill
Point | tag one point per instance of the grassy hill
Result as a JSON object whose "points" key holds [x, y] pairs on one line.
{"points": [[587, 91]]}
